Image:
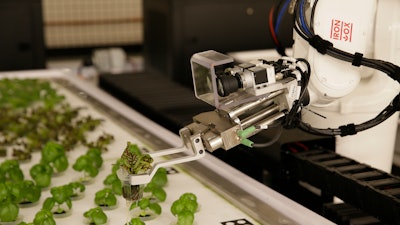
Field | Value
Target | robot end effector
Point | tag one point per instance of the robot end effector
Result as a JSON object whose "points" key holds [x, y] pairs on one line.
{"points": [[248, 98]]}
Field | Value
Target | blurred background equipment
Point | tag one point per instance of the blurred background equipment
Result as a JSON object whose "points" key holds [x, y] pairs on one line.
{"points": [[21, 41], [176, 29]]}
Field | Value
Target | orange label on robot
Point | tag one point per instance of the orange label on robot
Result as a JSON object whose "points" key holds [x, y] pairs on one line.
{"points": [[341, 30]]}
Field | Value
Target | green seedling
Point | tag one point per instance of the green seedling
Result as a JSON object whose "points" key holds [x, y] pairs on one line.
{"points": [[145, 204], [41, 173], [44, 217], [77, 188], [184, 208], [114, 183], [89, 163], [60, 201], [135, 221], [96, 216], [53, 154], [133, 161], [9, 209], [25, 191], [10, 171], [105, 197]]}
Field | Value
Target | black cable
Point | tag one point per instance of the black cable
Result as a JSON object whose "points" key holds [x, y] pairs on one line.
{"points": [[274, 139], [325, 47]]}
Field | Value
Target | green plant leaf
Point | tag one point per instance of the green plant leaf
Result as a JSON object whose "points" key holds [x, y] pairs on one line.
{"points": [[48, 204], [61, 163], [44, 217], [96, 216], [185, 218], [10, 170], [160, 178], [105, 197], [8, 211], [136, 221], [144, 203], [41, 174], [177, 207], [4, 192], [159, 193], [117, 187], [155, 207], [51, 151], [81, 163], [110, 179]]}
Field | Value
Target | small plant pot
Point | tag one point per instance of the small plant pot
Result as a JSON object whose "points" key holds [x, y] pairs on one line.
{"points": [[27, 204], [132, 192], [86, 180], [144, 215], [78, 196], [62, 214], [109, 207], [58, 174]]}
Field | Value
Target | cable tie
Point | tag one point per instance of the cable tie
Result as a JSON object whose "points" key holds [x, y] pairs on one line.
{"points": [[396, 102], [320, 44], [349, 129], [396, 75], [357, 59]]}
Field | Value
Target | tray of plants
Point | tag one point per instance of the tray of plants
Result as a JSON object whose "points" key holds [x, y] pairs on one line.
{"points": [[63, 140]]}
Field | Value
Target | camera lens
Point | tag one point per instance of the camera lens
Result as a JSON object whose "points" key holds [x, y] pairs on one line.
{"points": [[227, 84]]}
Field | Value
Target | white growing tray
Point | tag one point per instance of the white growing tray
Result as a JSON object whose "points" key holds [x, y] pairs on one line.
{"points": [[225, 195]]}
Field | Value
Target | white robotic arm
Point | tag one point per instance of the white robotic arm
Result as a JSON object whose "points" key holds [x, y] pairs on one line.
{"points": [[333, 86], [345, 92]]}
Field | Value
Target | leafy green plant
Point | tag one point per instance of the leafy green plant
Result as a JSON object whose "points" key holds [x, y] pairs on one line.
{"points": [[89, 163], [156, 186], [10, 171], [41, 173], [25, 191], [112, 181], [96, 216], [146, 207], [60, 202], [42, 217], [133, 161], [105, 197], [53, 154], [9, 210], [149, 205], [184, 208], [77, 189], [135, 221]]}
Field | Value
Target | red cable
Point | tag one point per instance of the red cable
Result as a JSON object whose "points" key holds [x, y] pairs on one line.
{"points": [[271, 26]]}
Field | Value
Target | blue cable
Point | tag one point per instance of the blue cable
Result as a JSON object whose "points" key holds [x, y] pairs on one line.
{"points": [[280, 16], [303, 20]]}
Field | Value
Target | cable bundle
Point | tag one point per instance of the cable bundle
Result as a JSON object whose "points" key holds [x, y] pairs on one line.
{"points": [[306, 31]]}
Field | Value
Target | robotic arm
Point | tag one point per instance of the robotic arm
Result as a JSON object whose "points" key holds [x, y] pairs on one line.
{"points": [[333, 81]]}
